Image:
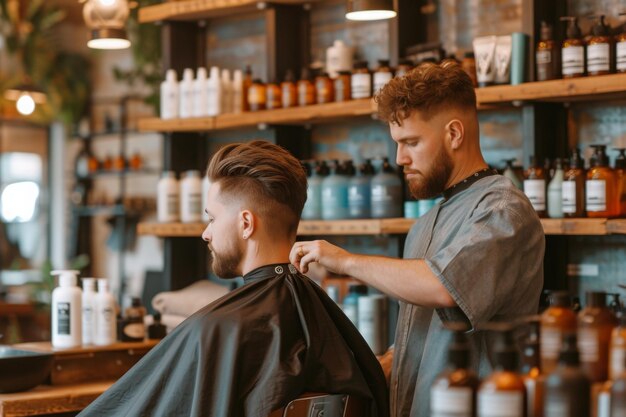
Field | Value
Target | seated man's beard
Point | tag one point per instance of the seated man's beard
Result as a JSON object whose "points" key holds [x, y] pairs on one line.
{"points": [[226, 261], [433, 183]]}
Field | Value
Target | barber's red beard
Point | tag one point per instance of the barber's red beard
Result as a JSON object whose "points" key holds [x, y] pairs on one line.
{"points": [[225, 263], [433, 183]]}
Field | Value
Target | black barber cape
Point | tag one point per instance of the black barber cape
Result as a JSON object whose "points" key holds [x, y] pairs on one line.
{"points": [[249, 353]]}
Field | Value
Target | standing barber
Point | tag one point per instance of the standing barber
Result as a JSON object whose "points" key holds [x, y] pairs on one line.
{"points": [[477, 256]]}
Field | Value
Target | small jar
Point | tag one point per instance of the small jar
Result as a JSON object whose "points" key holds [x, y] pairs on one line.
{"points": [[257, 96], [361, 81], [289, 92], [343, 89], [324, 89], [404, 66], [274, 100], [382, 75], [469, 66], [306, 89]]}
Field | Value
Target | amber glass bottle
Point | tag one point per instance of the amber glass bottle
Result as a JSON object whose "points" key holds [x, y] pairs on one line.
{"points": [[574, 187], [454, 391], [599, 49], [535, 186], [617, 350], [289, 91], [306, 89], [557, 321], [618, 396], [343, 88], [531, 371], [620, 48], [324, 89], [503, 392], [573, 50], [257, 96], [595, 326], [620, 173], [545, 54], [247, 83], [274, 100], [601, 187]]}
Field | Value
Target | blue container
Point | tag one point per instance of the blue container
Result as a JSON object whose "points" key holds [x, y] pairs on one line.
{"points": [[313, 207], [335, 194], [424, 206], [359, 206], [411, 209], [386, 193], [351, 302]]}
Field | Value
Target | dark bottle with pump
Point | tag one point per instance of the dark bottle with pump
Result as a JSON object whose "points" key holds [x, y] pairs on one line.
{"points": [[567, 389], [574, 187], [573, 50], [503, 392], [156, 330], [531, 370], [558, 320], [599, 49], [620, 173], [454, 391], [595, 325], [535, 186], [546, 55], [601, 186]]}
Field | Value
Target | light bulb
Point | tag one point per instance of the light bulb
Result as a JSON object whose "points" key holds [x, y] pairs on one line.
{"points": [[366, 15], [25, 104], [107, 2]]}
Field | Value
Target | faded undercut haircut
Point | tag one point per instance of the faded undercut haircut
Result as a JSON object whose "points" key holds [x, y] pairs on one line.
{"points": [[427, 89], [267, 177]]}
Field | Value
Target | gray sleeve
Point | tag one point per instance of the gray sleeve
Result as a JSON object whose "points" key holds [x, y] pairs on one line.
{"points": [[494, 260]]}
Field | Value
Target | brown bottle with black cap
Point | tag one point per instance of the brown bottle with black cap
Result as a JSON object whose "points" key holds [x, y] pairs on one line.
{"points": [[601, 186], [567, 388], [306, 89], [546, 54], [599, 49], [535, 186], [503, 392], [574, 187], [618, 395], [620, 173], [557, 320], [531, 369], [595, 326], [573, 50], [289, 91], [454, 391]]}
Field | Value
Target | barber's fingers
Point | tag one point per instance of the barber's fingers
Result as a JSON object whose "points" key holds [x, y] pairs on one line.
{"points": [[297, 252]]}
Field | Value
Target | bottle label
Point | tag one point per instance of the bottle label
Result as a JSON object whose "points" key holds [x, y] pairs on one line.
{"points": [[569, 196], [604, 405], [588, 345], [63, 318], [286, 97], [617, 361], [451, 402], [380, 79], [195, 203], [544, 57], [573, 60], [501, 404], [135, 330], [361, 85], [535, 190], [598, 57], [621, 56], [550, 343], [596, 195], [172, 204], [557, 406]]}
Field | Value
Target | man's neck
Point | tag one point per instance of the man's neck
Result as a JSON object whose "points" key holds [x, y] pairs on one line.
{"points": [[265, 252], [465, 170]]}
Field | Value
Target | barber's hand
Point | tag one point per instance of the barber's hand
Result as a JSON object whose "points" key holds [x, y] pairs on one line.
{"points": [[329, 256], [386, 361]]}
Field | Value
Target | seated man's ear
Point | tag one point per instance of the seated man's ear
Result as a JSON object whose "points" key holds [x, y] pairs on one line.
{"points": [[247, 223]]}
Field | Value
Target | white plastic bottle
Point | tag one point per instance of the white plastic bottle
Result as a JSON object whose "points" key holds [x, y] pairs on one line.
{"points": [[168, 198], [237, 91], [169, 96], [190, 197], [214, 92], [338, 58], [106, 317], [89, 310], [66, 311], [227, 92], [206, 184], [185, 108], [200, 93], [555, 193], [372, 313]]}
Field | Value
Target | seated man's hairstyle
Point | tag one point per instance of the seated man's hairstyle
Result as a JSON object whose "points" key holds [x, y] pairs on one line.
{"points": [[265, 176], [426, 89]]}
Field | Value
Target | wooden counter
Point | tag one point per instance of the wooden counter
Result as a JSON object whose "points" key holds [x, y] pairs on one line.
{"points": [[47, 399]]}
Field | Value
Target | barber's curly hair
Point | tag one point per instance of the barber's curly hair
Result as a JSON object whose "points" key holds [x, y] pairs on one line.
{"points": [[266, 175], [427, 89]]}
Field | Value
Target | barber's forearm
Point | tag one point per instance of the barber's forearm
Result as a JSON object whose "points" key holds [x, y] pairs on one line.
{"points": [[410, 280]]}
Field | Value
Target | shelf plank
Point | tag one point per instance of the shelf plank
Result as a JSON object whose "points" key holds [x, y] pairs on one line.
{"points": [[171, 229], [616, 226], [580, 227], [575, 89], [340, 227]]}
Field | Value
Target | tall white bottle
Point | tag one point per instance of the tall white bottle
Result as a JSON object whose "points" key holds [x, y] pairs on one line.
{"points": [[206, 184], [238, 91], [106, 317], [66, 311], [214, 92], [168, 198], [89, 310], [185, 109], [200, 93], [191, 198], [227, 92], [169, 96]]}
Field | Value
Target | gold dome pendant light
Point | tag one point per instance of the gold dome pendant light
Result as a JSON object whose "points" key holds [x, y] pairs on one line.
{"points": [[106, 19], [363, 10]]}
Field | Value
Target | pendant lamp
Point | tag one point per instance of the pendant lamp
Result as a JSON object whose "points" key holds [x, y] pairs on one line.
{"points": [[26, 98], [106, 19], [370, 10]]}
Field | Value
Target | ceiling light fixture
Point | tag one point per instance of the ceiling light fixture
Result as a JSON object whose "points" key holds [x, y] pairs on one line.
{"points": [[26, 98], [107, 19], [363, 10]]}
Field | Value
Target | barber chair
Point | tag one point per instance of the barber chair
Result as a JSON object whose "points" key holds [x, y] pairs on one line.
{"points": [[323, 405]]}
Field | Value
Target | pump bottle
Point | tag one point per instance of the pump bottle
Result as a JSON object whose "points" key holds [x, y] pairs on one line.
{"points": [[227, 92], [599, 49], [386, 193], [66, 311], [454, 391], [595, 326], [601, 186], [545, 55], [573, 50], [214, 93], [531, 370], [535, 186], [106, 317], [509, 172], [574, 187], [620, 172], [89, 311], [247, 82], [313, 207], [237, 91], [617, 349], [558, 320], [555, 192], [335, 194], [186, 94], [169, 96], [359, 205], [200, 93]]}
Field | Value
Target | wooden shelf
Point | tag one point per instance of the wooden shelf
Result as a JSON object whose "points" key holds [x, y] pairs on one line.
{"points": [[580, 227], [191, 10]]}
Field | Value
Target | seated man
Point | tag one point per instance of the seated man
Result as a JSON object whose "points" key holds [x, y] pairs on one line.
{"points": [[264, 344]]}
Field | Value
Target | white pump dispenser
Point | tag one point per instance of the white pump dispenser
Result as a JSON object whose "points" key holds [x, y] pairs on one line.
{"points": [[227, 92], [186, 94], [106, 317], [214, 88], [89, 310], [66, 311], [169, 96], [200, 93]]}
